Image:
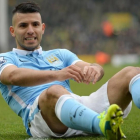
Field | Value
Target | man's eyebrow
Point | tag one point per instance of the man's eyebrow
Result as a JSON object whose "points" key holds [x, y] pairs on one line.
{"points": [[28, 23], [22, 23], [37, 21]]}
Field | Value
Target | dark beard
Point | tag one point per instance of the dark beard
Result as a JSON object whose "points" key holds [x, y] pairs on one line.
{"points": [[28, 48]]}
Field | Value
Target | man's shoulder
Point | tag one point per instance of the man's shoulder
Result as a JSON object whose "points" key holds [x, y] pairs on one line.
{"points": [[59, 50], [7, 53]]}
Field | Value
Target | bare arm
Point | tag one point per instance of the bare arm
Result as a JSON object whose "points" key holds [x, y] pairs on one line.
{"points": [[12, 75], [92, 72]]}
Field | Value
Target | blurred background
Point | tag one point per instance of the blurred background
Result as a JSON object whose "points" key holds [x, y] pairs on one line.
{"points": [[102, 31]]}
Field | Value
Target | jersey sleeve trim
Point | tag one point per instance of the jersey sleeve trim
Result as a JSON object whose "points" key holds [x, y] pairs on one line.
{"points": [[75, 62], [5, 67]]}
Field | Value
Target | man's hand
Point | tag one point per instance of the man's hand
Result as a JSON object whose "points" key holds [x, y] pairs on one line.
{"points": [[71, 72], [92, 73]]}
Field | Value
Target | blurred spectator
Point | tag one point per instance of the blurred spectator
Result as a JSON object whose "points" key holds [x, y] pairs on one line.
{"points": [[76, 25], [102, 58]]}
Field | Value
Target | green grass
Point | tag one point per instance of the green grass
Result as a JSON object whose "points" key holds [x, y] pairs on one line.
{"points": [[11, 127]]}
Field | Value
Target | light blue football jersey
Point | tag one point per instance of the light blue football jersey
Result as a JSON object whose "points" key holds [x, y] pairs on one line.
{"points": [[21, 98]]}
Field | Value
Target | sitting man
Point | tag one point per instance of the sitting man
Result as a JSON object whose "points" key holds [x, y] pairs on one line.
{"points": [[35, 84]]}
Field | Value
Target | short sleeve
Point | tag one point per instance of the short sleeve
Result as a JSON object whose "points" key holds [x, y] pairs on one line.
{"points": [[68, 57], [6, 59]]}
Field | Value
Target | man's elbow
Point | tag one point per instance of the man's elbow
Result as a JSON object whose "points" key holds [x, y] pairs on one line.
{"points": [[9, 79]]}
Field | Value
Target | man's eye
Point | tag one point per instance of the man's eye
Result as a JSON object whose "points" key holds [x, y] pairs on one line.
{"points": [[36, 24], [22, 25]]}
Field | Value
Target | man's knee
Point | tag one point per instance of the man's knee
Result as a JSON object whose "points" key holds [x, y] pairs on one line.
{"points": [[50, 96], [54, 92], [55, 88], [130, 71]]}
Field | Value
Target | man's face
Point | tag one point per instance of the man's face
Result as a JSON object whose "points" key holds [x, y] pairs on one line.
{"points": [[28, 30]]}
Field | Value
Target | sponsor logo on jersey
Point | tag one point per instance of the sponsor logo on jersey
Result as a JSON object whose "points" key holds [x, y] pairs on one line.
{"points": [[2, 61], [53, 60]]}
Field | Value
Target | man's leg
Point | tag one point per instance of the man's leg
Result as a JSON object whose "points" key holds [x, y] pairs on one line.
{"points": [[47, 102], [115, 91], [76, 115], [134, 88], [118, 86]]}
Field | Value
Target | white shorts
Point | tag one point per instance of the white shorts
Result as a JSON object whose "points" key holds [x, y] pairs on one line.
{"points": [[97, 101]]}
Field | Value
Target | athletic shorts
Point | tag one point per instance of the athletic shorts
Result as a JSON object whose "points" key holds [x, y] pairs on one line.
{"points": [[99, 102]]}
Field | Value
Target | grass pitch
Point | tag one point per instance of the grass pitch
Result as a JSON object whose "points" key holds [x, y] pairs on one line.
{"points": [[11, 126]]}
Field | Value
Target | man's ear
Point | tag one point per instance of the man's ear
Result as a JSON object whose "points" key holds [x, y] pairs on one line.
{"points": [[43, 28], [12, 31]]}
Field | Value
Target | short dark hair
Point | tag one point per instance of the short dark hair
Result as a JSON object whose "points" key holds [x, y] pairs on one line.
{"points": [[27, 7]]}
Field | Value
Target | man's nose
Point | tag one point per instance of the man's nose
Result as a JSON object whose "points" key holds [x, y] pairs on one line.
{"points": [[30, 29]]}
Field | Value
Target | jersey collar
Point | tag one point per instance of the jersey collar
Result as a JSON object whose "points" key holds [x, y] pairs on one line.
{"points": [[24, 52]]}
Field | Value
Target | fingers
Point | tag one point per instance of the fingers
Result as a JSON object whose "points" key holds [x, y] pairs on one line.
{"points": [[90, 75], [76, 74], [85, 70], [73, 72], [96, 77]]}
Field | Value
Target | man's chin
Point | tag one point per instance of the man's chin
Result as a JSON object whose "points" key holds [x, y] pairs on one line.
{"points": [[30, 48]]}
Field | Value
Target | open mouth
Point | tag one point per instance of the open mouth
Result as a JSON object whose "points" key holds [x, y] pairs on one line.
{"points": [[30, 38]]}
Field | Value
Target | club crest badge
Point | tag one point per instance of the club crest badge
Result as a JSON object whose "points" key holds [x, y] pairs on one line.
{"points": [[52, 59], [2, 61]]}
